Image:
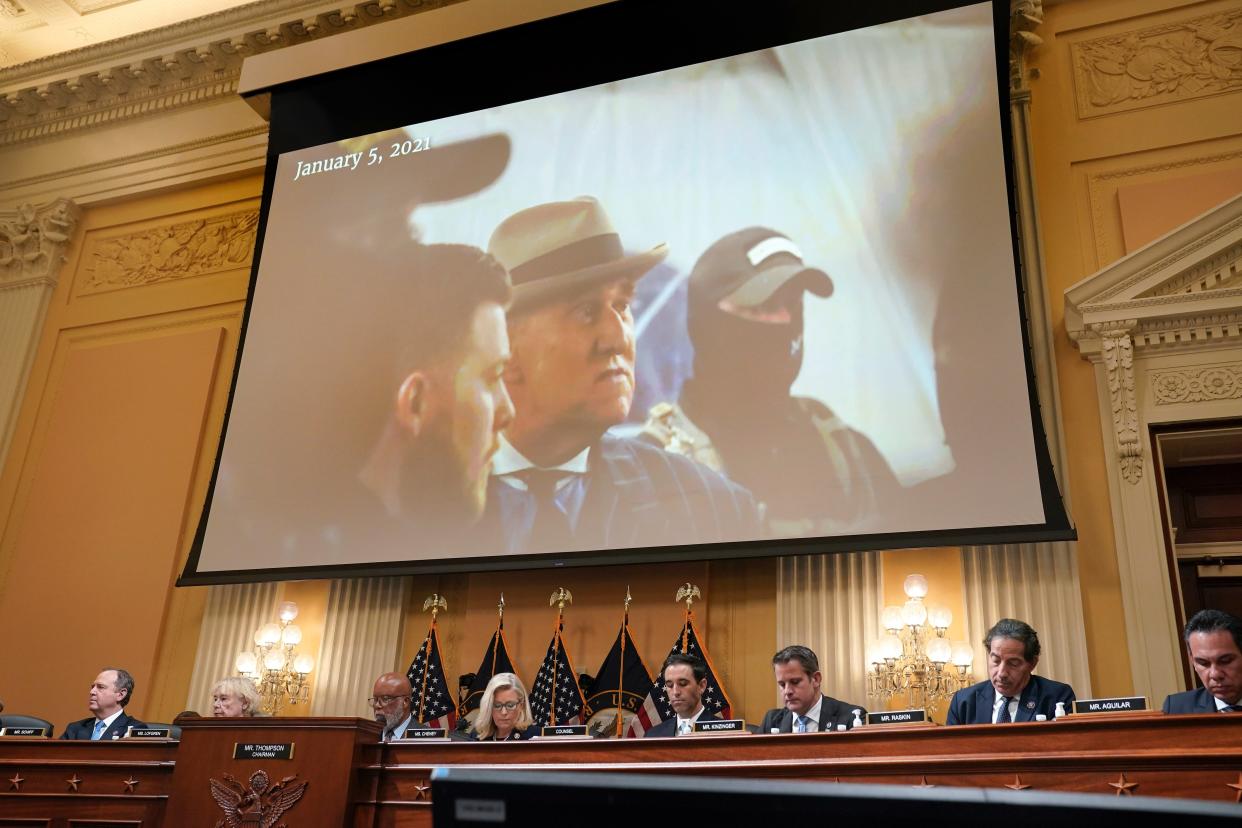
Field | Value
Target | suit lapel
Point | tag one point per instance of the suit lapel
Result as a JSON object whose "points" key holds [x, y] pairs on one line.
{"points": [[1030, 693], [786, 722], [985, 700], [1204, 701], [619, 492]]}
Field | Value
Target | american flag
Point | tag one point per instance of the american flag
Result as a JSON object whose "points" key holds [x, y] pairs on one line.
{"points": [[656, 708], [556, 698], [495, 660], [432, 703]]}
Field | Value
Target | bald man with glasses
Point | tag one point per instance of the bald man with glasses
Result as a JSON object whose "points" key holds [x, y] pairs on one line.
{"points": [[392, 704]]}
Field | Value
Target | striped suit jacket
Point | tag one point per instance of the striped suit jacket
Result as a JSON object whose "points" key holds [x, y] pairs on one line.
{"points": [[639, 495]]}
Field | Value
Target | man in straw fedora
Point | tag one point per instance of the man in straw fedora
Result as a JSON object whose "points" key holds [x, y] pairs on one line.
{"points": [[560, 482]]}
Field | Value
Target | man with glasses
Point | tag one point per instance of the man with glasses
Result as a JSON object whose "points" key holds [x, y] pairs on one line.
{"points": [[392, 704]]}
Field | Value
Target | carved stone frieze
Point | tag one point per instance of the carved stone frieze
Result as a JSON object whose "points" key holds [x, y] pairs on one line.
{"points": [[33, 241], [1202, 383], [67, 92], [1117, 352], [1171, 62], [171, 251]]}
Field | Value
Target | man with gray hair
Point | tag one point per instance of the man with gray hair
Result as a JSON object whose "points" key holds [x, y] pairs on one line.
{"points": [[109, 693], [807, 709], [1214, 639], [1011, 693]]}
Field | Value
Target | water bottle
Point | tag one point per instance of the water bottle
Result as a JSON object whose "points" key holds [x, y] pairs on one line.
{"points": [[1060, 711], [857, 718]]}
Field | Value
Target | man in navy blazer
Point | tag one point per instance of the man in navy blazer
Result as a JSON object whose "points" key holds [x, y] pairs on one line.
{"points": [[807, 709], [1011, 693], [109, 694], [559, 481], [685, 682], [1214, 639]]}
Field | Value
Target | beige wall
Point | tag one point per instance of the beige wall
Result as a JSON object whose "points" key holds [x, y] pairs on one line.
{"points": [[1113, 172]]}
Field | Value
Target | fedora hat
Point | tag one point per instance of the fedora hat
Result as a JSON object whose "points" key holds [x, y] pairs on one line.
{"points": [[557, 249]]}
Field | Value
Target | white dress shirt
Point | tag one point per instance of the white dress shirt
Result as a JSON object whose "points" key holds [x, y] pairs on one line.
{"points": [[812, 725], [1013, 708], [681, 723], [108, 722]]}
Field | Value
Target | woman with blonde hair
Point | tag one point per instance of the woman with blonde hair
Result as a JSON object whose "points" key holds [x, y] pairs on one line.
{"points": [[504, 712], [235, 696]]}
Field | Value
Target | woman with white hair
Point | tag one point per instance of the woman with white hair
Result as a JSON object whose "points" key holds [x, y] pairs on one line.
{"points": [[504, 712], [235, 696]]}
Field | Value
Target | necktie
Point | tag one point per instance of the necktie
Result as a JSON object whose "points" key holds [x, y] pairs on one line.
{"points": [[100, 727], [800, 724], [684, 727], [1003, 716], [1231, 708], [550, 530]]}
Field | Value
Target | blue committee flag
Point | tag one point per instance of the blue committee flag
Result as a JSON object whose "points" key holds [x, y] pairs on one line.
{"points": [[495, 660], [621, 684]]}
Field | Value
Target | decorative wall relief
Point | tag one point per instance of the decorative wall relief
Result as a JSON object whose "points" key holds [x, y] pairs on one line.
{"points": [[171, 251], [1198, 384], [1117, 351], [1173, 62]]}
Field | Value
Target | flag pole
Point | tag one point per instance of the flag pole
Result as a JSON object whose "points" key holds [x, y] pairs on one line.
{"points": [[561, 597], [687, 592], [625, 629], [500, 625], [435, 603]]}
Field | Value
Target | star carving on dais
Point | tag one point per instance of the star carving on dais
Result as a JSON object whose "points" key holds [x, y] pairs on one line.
{"points": [[923, 784], [73, 782], [15, 784], [1237, 786], [130, 784], [1123, 787], [423, 792], [1017, 784]]}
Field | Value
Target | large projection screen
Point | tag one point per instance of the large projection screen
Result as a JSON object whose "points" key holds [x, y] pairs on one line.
{"points": [[765, 301]]}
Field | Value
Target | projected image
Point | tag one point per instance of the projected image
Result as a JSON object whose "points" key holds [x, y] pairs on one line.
{"points": [[769, 296]]}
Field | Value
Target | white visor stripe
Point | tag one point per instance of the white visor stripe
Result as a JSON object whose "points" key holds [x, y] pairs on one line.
{"points": [[770, 247]]}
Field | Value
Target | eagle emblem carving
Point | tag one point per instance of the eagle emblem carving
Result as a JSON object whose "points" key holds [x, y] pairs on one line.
{"points": [[261, 805]]}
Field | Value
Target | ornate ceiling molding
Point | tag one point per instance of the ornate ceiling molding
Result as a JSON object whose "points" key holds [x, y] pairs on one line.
{"points": [[170, 67]]}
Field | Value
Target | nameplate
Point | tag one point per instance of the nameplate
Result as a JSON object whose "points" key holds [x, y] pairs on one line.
{"points": [[148, 733], [27, 732], [721, 726], [254, 750], [564, 730], [897, 717], [1120, 704], [417, 733]]}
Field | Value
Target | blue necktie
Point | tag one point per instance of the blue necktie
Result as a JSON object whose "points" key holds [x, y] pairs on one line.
{"points": [[801, 723], [1003, 716], [100, 727]]}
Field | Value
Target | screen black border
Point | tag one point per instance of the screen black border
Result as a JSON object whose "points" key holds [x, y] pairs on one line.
{"points": [[604, 43]]}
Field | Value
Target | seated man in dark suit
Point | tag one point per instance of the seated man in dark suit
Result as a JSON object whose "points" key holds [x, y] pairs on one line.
{"points": [[559, 480], [1011, 693], [806, 710], [685, 681], [1214, 639], [110, 692]]}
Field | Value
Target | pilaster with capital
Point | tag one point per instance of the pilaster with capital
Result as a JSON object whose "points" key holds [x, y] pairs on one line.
{"points": [[33, 244], [1117, 354]]}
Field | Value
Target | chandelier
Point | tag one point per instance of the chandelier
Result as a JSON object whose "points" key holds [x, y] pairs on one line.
{"points": [[275, 666], [914, 659]]}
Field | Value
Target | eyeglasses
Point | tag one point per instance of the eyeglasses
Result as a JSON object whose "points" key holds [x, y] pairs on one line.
{"points": [[506, 706], [383, 701]]}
